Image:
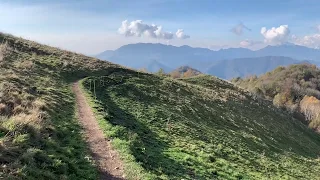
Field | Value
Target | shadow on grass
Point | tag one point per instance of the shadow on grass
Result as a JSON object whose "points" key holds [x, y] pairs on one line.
{"points": [[63, 151], [145, 145]]}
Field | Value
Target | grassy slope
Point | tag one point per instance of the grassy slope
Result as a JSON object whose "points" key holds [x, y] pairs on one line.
{"points": [[39, 134], [200, 128]]}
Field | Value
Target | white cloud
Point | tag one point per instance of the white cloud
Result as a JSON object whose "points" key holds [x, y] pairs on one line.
{"points": [[248, 43], [312, 41], [318, 28], [218, 47], [138, 28], [180, 34], [275, 35], [238, 29]]}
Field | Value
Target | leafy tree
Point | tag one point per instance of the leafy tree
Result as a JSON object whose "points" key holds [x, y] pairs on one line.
{"points": [[175, 74], [188, 73], [161, 72], [296, 88]]}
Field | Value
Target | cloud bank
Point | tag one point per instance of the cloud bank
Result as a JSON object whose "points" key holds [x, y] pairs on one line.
{"points": [[180, 34], [312, 41], [138, 28], [248, 43], [238, 29], [275, 35], [318, 28]]}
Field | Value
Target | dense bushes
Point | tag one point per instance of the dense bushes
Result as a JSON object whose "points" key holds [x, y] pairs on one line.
{"points": [[292, 88]]}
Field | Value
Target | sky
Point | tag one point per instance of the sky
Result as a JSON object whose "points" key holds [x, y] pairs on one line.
{"points": [[93, 26]]}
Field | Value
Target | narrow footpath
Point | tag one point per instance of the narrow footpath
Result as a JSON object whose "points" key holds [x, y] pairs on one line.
{"points": [[106, 159]]}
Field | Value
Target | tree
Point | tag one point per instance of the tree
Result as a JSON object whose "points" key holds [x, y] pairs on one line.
{"points": [[279, 100], [310, 107], [175, 74], [188, 73], [161, 72]]}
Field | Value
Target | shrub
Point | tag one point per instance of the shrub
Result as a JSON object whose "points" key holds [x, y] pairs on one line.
{"points": [[289, 87], [4, 110]]}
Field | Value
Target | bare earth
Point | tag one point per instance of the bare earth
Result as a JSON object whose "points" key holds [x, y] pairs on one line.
{"points": [[106, 159]]}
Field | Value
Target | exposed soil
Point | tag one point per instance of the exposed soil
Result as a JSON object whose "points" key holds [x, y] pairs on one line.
{"points": [[106, 159]]}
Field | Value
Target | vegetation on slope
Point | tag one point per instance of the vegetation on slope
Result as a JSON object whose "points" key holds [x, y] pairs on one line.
{"points": [[39, 134], [295, 88], [183, 72], [200, 128]]}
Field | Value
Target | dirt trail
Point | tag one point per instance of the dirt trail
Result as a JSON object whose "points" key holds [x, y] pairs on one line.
{"points": [[107, 159]]}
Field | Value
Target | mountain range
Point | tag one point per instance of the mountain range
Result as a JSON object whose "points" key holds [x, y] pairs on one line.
{"points": [[224, 63]]}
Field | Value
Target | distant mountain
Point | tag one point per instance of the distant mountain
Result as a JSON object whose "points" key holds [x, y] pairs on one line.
{"points": [[290, 50], [150, 55], [242, 67], [142, 54], [154, 66], [105, 55]]}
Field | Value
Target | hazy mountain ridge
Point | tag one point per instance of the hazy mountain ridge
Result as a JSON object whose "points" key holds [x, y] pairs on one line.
{"points": [[242, 67], [206, 60]]}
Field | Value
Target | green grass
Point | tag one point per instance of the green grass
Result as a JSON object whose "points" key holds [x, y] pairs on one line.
{"points": [[199, 128], [40, 137]]}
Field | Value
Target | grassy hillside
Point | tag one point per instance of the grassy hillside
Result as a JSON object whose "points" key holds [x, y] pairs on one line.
{"points": [[288, 87], [200, 128], [196, 128], [39, 134]]}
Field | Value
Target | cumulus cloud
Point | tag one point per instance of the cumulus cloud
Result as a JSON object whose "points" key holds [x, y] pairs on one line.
{"points": [[248, 43], [138, 28], [312, 41], [239, 28], [180, 34], [218, 47], [275, 35], [318, 28]]}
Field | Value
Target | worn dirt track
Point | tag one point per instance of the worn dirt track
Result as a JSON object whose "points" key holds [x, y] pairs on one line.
{"points": [[106, 159]]}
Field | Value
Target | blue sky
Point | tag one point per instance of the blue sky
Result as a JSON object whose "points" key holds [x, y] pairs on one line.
{"points": [[92, 26]]}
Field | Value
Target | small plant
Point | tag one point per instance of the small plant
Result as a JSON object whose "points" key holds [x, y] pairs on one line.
{"points": [[3, 52]]}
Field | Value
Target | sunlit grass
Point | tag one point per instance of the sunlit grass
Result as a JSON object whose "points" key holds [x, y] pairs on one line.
{"points": [[40, 137], [200, 128]]}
